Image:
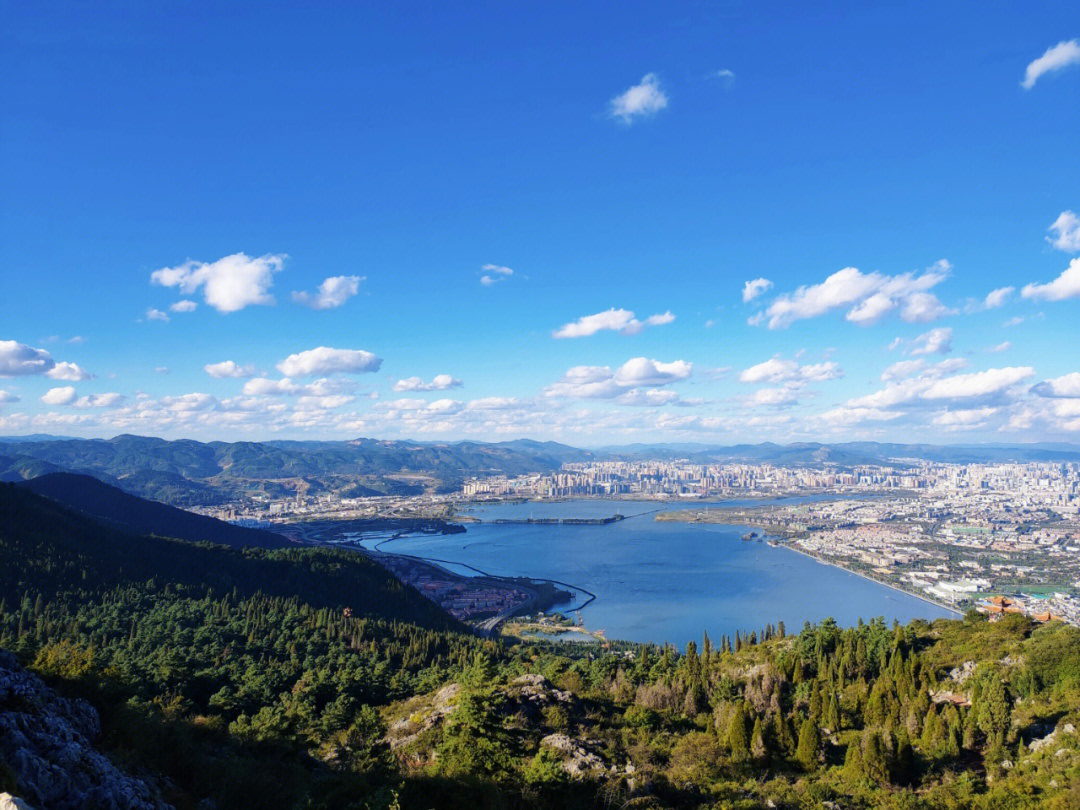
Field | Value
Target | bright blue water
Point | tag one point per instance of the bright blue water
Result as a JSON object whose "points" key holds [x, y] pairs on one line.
{"points": [[666, 582]]}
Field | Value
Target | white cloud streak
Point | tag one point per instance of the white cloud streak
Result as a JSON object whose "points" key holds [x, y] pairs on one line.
{"points": [[1067, 285], [614, 320], [324, 360], [440, 382], [1058, 57], [870, 296]]}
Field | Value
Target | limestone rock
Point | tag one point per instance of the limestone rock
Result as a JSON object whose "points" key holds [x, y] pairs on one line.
{"points": [[46, 740]]}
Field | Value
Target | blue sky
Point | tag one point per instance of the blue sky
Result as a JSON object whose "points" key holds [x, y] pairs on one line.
{"points": [[881, 171]]}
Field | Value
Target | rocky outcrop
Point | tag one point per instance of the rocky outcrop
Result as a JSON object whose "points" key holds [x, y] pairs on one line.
{"points": [[1052, 738], [46, 741], [578, 760], [422, 714]]}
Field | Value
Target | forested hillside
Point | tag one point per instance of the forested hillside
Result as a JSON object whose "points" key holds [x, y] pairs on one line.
{"points": [[308, 678], [134, 515]]}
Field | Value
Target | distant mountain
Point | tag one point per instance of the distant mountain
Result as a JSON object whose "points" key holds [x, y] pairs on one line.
{"points": [[138, 516], [189, 473], [843, 454], [33, 437]]}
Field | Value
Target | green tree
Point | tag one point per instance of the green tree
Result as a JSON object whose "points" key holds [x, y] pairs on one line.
{"points": [[738, 738], [809, 742]]}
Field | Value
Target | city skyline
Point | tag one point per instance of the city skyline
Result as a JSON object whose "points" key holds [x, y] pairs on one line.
{"points": [[599, 227]]}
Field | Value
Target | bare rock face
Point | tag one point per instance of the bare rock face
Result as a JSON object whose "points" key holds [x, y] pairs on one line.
{"points": [[9, 802], [46, 741], [579, 760]]}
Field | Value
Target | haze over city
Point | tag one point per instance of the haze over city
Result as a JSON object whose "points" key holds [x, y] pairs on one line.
{"points": [[592, 227]]}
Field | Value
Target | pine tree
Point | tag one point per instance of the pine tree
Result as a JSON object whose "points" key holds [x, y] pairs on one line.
{"points": [[809, 742], [875, 763], [738, 737], [853, 764], [758, 748], [832, 714]]}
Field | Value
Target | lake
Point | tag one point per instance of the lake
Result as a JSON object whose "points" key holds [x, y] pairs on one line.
{"points": [[666, 582]]}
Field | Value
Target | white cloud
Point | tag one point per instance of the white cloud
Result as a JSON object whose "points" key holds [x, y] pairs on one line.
{"points": [[776, 370], [977, 384], [752, 289], [161, 370], [649, 397], [641, 371], [1067, 285], [932, 385], [440, 382], [1015, 320], [1056, 58], [229, 284], [494, 403], [786, 395], [332, 293], [494, 273], [902, 369], [110, 400], [1004, 346], [847, 415], [614, 320], [156, 315], [184, 306], [309, 403], [186, 403], [227, 368], [869, 296], [995, 298], [600, 382], [69, 372], [7, 396], [1067, 386], [324, 360], [726, 76], [77, 339], [964, 418], [936, 341], [59, 396], [871, 309], [641, 100], [18, 359], [261, 386], [924, 307], [1067, 228]]}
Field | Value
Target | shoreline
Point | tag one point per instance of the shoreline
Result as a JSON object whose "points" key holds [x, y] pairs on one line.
{"points": [[928, 600]]}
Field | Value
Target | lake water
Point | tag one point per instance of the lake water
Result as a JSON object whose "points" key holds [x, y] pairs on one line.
{"points": [[666, 582]]}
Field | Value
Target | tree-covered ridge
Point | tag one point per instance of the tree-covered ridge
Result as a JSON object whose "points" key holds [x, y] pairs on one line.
{"points": [[129, 513], [240, 676]]}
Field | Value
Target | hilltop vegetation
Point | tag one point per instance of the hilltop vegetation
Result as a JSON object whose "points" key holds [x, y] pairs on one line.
{"points": [[309, 678]]}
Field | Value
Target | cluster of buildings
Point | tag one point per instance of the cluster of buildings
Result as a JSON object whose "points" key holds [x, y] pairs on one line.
{"points": [[956, 548], [1042, 484]]}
